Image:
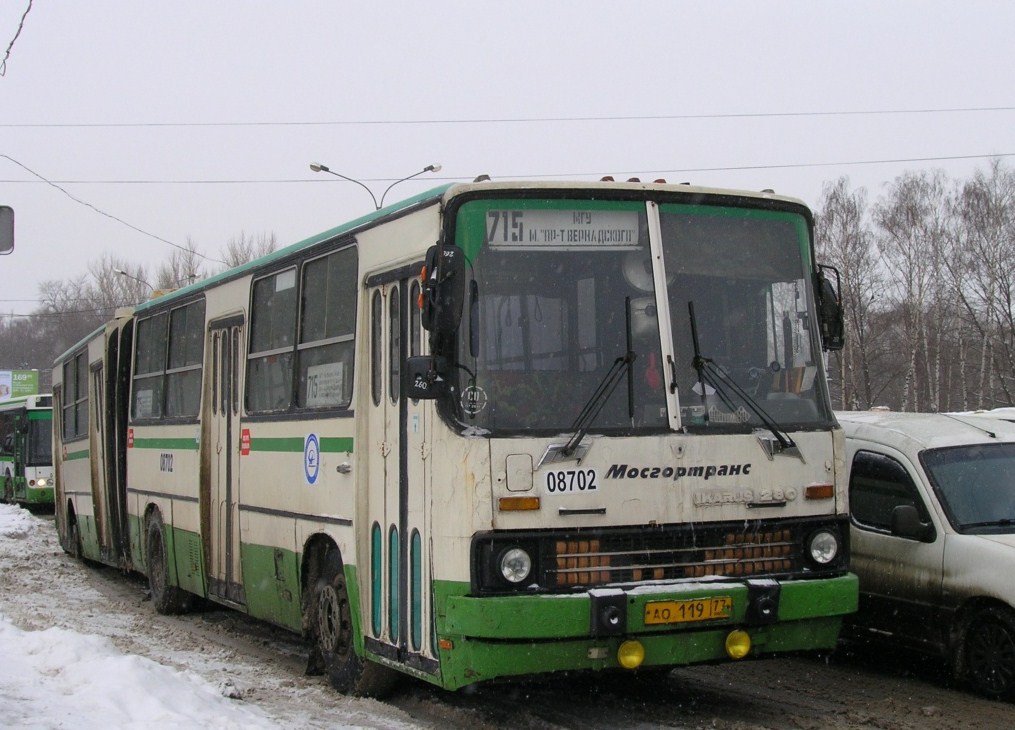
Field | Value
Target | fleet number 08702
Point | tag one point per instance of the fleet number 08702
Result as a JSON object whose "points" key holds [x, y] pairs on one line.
{"points": [[569, 481]]}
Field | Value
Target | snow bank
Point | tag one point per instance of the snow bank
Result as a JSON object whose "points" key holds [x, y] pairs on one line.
{"points": [[56, 678]]}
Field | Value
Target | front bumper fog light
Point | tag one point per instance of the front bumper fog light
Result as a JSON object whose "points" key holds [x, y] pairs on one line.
{"points": [[738, 644], [631, 654]]}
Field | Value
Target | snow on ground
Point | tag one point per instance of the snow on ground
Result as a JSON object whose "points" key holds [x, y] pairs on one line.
{"points": [[59, 678], [83, 649]]}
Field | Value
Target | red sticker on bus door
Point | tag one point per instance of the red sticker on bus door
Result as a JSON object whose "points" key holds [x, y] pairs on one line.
{"points": [[245, 442]]}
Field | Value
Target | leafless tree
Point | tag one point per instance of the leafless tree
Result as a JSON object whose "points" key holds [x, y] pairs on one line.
{"points": [[982, 269], [913, 225], [845, 241], [180, 268], [244, 248]]}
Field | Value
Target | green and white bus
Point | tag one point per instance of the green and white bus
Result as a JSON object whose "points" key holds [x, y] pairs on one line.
{"points": [[496, 429], [26, 450]]}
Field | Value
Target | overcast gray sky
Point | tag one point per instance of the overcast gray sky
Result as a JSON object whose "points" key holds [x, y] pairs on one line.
{"points": [[199, 119]]}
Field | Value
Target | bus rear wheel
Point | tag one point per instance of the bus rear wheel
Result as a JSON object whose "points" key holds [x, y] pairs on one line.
{"points": [[167, 599], [332, 627]]}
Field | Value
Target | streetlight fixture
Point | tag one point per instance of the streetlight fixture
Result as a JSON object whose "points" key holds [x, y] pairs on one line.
{"points": [[121, 272], [318, 167]]}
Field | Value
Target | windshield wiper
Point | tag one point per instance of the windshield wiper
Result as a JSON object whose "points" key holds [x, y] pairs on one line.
{"points": [[711, 374], [621, 366], [1003, 522]]}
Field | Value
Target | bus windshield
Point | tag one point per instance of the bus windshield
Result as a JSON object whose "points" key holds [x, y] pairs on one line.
{"points": [[745, 273], [558, 291], [40, 443]]}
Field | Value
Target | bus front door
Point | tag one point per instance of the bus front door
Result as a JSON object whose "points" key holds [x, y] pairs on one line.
{"points": [[221, 452], [398, 620]]}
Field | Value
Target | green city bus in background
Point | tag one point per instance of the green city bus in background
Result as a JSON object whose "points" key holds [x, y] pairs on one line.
{"points": [[26, 450]]}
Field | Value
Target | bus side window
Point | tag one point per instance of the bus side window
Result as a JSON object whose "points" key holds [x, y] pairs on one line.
{"points": [[272, 340], [327, 331]]}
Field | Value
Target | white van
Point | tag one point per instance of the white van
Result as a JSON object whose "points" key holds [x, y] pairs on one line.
{"points": [[932, 511]]}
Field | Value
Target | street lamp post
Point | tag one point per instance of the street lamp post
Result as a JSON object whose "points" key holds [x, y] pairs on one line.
{"points": [[121, 272], [318, 167]]}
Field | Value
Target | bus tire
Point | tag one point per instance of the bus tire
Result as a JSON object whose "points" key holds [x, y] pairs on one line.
{"points": [[167, 599], [334, 642]]}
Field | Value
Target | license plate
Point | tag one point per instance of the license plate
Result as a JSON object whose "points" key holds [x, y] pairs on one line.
{"points": [[697, 609]]}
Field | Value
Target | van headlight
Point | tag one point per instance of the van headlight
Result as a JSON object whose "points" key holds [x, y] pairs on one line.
{"points": [[515, 565], [823, 546]]}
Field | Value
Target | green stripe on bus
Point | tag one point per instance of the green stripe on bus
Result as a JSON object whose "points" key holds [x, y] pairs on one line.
{"points": [[40, 415], [185, 444], [328, 445], [71, 456]]}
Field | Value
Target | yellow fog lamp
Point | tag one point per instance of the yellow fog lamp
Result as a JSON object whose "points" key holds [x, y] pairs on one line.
{"points": [[738, 644], [631, 654]]}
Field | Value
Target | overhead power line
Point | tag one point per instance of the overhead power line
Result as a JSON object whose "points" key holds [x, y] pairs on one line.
{"points": [[3, 64], [506, 176], [521, 120], [109, 215]]}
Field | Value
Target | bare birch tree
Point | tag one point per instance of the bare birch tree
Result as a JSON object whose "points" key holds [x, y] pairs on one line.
{"points": [[845, 241], [912, 224]]}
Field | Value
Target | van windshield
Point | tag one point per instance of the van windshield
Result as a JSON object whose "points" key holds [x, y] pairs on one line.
{"points": [[975, 485]]}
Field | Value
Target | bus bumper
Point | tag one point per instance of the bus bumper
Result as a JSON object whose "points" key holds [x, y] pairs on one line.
{"points": [[38, 496], [481, 638]]}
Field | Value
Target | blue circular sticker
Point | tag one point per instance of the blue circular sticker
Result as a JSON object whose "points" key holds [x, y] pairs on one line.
{"points": [[311, 458]]}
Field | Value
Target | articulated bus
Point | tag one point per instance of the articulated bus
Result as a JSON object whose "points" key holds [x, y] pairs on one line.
{"points": [[26, 450], [497, 429]]}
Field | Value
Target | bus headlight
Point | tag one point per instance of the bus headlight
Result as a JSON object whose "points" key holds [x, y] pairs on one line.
{"points": [[515, 565], [42, 483], [823, 546]]}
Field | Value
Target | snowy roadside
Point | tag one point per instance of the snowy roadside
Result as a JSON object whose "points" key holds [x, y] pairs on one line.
{"points": [[75, 656]]}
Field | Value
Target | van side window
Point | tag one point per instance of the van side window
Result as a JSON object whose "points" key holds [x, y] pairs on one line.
{"points": [[877, 485]]}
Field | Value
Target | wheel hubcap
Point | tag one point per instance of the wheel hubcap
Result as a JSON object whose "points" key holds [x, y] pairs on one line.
{"points": [[328, 621], [992, 658]]}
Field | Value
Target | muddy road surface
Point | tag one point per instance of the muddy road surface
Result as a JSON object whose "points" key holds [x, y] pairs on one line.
{"points": [[40, 587]]}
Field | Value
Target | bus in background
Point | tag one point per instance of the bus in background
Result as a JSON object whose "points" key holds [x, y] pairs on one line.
{"points": [[26, 450], [494, 430]]}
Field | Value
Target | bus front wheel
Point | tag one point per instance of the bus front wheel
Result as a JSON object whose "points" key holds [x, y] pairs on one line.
{"points": [[332, 628], [167, 599]]}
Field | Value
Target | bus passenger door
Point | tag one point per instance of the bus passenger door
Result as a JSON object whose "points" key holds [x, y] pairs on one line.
{"points": [[104, 525], [220, 446], [399, 567]]}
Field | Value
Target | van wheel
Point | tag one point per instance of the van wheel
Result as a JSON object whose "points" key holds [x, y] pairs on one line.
{"points": [[167, 599], [988, 653], [334, 640]]}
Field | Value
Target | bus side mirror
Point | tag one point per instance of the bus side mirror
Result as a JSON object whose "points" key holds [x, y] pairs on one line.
{"points": [[423, 379], [6, 229], [830, 317], [443, 289]]}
